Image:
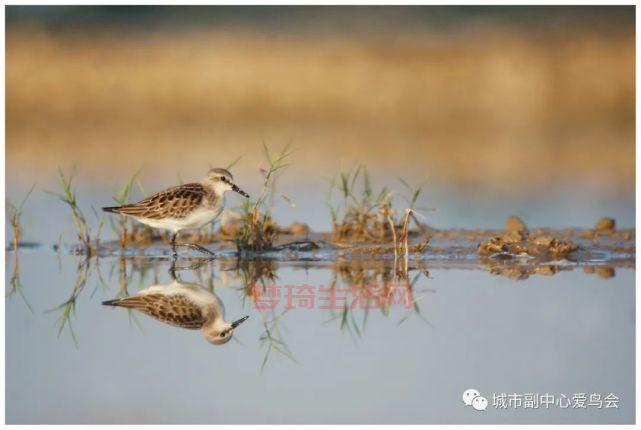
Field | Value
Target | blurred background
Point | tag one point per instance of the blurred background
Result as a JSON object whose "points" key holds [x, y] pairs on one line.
{"points": [[526, 111], [502, 110]]}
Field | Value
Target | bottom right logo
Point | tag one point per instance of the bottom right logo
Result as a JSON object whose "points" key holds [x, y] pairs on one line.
{"points": [[472, 397]]}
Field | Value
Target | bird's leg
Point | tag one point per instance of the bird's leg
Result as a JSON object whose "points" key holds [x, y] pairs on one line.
{"points": [[198, 248], [172, 269], [173, 245], [195, 246]]}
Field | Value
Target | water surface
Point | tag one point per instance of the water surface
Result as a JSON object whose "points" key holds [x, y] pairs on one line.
{"points": [[564, 334]]}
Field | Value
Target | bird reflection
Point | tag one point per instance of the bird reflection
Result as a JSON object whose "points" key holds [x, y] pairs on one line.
{"points": [[185, 305]]}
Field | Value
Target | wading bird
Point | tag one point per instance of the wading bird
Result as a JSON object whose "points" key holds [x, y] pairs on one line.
{"points": [[184, 207]]}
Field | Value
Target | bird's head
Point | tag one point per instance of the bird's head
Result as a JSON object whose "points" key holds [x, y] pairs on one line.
{"points": [[219, 334], [221, 180]]}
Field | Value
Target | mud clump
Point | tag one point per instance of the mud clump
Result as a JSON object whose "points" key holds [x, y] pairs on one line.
{"points": [[507, 247], [520, 273], [518, 242], [605, 225]]}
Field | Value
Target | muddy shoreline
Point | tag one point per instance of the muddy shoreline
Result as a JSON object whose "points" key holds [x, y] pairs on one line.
{"points": [[452, 248]]}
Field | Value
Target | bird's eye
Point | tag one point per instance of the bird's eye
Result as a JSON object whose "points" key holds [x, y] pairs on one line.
{"points": [[223, 334]]}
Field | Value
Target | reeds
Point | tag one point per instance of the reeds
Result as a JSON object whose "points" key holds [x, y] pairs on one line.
{"points": [[13, 215], [83, 230], [411, 214], [366, 216], [357, 220], [256, 230]]}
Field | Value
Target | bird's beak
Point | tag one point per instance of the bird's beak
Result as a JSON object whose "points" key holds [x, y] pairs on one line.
{"points": [[239, 322], [234, 187]]}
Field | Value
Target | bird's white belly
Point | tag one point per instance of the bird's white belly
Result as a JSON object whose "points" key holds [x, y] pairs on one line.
{"points": [[195, 220]]}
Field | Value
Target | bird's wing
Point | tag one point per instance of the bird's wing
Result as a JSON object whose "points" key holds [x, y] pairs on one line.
{"points": [[176, 202], [173, 309]]}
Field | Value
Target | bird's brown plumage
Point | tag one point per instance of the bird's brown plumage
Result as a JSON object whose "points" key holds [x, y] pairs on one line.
{"points": [[173, 309], [176, 202]]}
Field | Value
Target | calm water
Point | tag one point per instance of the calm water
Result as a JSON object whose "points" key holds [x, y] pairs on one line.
{"points": [[564, 334]]}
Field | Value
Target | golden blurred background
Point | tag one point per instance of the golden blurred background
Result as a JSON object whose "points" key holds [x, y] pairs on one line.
{"points": [[506, 100]]}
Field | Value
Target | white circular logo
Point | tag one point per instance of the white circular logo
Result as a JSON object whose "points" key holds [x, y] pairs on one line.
{"points": [[479, 403], [469, 395]]}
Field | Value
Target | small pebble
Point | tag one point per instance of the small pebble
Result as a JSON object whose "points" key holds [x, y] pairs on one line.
{"points": [[605, 225], [299, 228]]}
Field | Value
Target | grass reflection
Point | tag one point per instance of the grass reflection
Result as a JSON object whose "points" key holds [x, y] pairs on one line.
{"points": [[15, 284], [67, 309], [394, 290]]}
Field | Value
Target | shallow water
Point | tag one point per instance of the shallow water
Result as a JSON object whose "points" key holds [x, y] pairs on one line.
{"points": [[565, 334], [495, 328]]}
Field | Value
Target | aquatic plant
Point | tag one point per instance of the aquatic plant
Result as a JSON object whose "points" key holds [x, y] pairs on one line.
{"points": [[83, 230], [366, 216], [13, 214], [357, 219], [360, 220], [411, 213], [256, 230]]}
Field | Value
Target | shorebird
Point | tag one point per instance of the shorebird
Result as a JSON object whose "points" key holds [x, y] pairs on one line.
{"points": [[183, 305], [184, 207]]}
